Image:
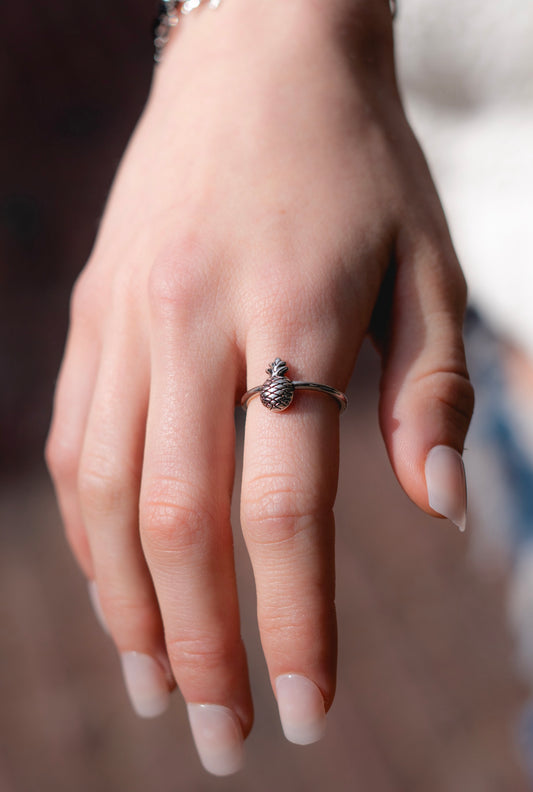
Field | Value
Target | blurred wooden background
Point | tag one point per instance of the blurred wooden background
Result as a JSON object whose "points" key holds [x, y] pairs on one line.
{"points": [[427, 699]]}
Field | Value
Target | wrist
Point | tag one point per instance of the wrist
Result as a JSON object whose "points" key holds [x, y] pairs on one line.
{"points": [[359, 29]]}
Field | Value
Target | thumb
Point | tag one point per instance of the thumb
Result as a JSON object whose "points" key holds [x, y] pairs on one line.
{"points": [[426, 398]]}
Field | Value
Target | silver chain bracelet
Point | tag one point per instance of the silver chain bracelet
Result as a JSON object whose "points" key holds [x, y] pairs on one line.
{"points": [[168, 17]]}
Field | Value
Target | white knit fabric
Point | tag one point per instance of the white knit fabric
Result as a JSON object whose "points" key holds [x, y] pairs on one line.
{"points": [[466, 74]]}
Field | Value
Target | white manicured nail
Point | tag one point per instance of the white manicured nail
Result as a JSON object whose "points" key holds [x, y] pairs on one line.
{"points": [[218, 737], [97, 607], [146, 684], [301, 709], [446, 483]]}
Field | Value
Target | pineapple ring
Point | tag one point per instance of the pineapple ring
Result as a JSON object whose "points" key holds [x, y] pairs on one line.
{"points": [[277, 392]]}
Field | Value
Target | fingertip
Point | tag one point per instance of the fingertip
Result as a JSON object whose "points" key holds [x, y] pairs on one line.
{"points": [[424, 430], [146, 684], [446, 484], [218, 737], [301, 709]]}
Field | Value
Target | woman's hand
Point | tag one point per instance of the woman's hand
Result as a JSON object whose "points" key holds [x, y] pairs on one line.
{"points": [[272, 202]]}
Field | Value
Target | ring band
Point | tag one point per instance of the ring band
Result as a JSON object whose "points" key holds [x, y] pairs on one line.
{"points": [[277, 392]]}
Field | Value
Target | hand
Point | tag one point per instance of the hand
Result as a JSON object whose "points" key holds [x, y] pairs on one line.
{"points": [[272, 201]]}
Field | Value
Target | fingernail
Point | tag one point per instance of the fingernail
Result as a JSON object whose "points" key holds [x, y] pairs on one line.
{"points": [[218, 736], [446, 483], [146, 684], [301, 709], [97, 607]]}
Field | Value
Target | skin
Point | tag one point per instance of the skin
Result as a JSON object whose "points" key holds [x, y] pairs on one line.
{"points": [[272, 201]]}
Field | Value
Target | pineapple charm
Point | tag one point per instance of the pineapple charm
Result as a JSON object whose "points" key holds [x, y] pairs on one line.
{"points": [[277, 391]]}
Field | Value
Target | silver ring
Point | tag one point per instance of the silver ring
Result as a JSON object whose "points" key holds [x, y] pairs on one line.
{"points": [[277, 392]]}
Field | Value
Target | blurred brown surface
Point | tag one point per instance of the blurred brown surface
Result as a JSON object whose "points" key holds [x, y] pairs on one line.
{"points": [[426, 697]]}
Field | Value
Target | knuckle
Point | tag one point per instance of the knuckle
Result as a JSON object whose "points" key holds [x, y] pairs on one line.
{"points": [[287, 626], [84, 298], [201, 652], [275, 509], [179, 280], [456, 392], [61, 457], [295, 621], [172, 526], [452, 389], [101, 489]]}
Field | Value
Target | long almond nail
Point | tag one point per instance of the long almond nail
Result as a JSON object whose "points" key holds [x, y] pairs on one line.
{"points": [[446, 484], [97, 607], [218, 736], [146, 684], [301, 709]]}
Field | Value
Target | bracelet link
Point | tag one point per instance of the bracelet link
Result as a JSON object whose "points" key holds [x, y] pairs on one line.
{"points": [[168, 17]]}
